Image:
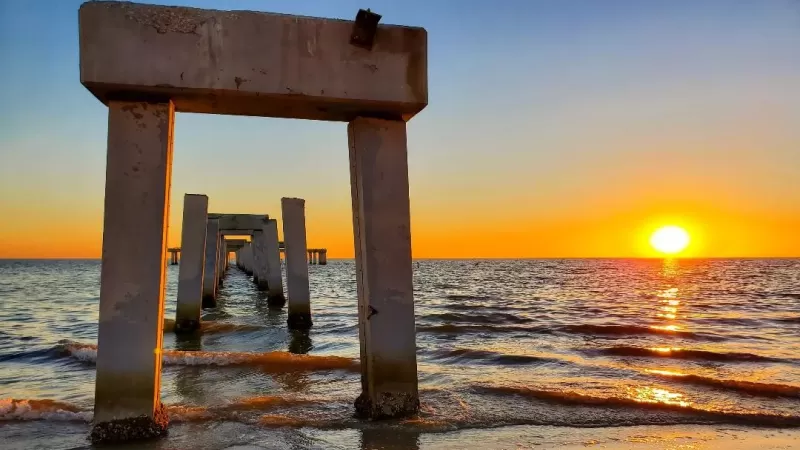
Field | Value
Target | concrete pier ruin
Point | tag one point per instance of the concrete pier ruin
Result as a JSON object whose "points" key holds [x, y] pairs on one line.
{"points": [[210, 271], [174, 255], [145, 62], [294, 241], [190, 275]]}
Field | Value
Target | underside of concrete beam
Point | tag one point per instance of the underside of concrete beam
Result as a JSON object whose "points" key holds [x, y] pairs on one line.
{"points": [[251, 63], [245, 223]]}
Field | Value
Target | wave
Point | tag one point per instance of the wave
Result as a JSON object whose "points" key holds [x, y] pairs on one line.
{"points": [[231, 411], [573, 398], [462, 298], [680, 353], [749, 387], [453, 328], [626, 330], [486, 356], [788, 319], [211, 327], [22, 409], [29, 354], [270, 361], [486, 318], [53, 410]]}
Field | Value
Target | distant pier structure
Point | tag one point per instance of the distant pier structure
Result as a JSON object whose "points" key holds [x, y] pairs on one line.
{"points": [[146, 62], [174, 255]]}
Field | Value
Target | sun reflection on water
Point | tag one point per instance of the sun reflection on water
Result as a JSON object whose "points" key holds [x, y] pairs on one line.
{"points": [[656, 395]]}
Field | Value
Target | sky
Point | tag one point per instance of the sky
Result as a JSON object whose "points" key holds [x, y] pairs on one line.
{"points": [[554, 129]]}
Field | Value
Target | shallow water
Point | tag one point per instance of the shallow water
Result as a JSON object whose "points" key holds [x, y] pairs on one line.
{"points": [[522, 345]]}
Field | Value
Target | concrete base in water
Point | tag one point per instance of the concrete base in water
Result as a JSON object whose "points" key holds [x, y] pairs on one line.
{"points": [[209, 301], [277, 301], [299, 321], [187, 326], [389, 405], [134, 428], [261, 284]]}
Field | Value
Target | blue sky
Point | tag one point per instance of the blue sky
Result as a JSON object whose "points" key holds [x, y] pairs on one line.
{"points": [[541, 114]]}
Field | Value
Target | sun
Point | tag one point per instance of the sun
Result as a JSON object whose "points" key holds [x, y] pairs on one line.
{"points": [[670, 239]]}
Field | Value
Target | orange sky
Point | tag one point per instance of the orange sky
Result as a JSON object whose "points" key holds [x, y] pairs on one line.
{"points": [[562, 132]]}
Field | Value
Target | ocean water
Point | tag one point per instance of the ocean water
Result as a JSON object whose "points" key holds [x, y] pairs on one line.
{"points": [[511, 353]]}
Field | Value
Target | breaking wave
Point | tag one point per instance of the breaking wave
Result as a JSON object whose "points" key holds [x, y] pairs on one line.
{"points": [[21, 409], [705, 415], [270, 361], [748, 387]]}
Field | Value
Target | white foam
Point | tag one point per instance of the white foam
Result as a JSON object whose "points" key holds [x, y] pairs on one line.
{"points": [[11, 409]]}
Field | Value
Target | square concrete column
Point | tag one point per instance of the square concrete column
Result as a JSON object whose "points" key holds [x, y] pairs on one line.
{"points": [[294, 241], [190, 275], [381, 228], [220, 262], [275, 295], [132, 278], [323, 257], [260, 269], [209, 275]]}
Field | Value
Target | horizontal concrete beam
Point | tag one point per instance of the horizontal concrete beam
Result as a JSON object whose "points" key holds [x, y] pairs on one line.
{"points": [[251, 63], [239, 222]]}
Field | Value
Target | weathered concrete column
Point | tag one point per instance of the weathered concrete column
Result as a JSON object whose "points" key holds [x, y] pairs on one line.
{"points": [[260, 269], [248, 259], [190, 275], [220, 262], [209, 275], [275, 295], [294, 238], [132, 279], [381, 228], [323, 257]]}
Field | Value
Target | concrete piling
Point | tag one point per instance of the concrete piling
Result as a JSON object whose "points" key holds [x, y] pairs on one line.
{"points": [[260, 269], [390, 80], [275, 296], [190, 275], [323, 257], [209, 274], [381, 224], [294, 239], [132, 279]]}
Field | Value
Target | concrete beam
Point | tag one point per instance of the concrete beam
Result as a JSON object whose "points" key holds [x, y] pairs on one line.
{"points": [[190, 275], [251, 63], [127, 403], [239, 222]]}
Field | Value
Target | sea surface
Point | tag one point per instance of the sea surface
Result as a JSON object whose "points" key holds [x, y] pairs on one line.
{"points": [[511, 354]]}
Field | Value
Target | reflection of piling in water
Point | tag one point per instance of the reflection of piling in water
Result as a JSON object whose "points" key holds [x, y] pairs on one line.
{"points": [[384, 75], [389, 439]]}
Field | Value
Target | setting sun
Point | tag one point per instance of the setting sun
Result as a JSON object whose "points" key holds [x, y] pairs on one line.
{"points": [[669, 239]]}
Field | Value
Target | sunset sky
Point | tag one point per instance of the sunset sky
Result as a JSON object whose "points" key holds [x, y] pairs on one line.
{"points": [[554, 129]]}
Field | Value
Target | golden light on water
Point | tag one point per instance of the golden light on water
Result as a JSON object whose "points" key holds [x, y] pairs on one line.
{"points": [[657, 395], [670, 239]]}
